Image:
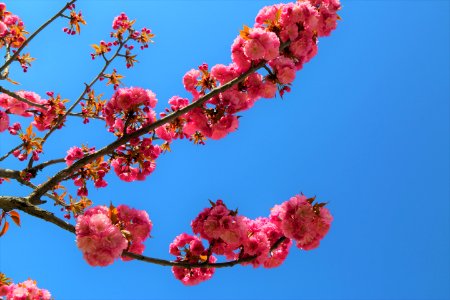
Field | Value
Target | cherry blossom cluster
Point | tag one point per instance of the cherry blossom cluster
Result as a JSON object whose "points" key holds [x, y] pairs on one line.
{"points": [[190, 249], [259, 242], [45, 115], [284, 37], [95, 170], [104, 233], [26, 290], [12, 29]]}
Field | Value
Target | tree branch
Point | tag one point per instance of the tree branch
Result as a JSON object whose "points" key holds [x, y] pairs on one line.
{"points": [[6, 173], [127, 137], [8, 203], [21, 99], [32, 36]]}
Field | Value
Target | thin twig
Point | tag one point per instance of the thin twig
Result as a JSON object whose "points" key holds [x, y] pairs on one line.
{"points": [[10, 152], [45, 164], [80, 115], [86, 89], [31, 37]]}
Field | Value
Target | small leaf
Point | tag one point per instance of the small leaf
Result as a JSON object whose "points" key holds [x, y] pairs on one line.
{"points": [[4, 229], [245, 32], [15, 217], [12, 81]]}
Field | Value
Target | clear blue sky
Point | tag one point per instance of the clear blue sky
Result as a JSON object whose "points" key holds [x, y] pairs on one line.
{"points": [[365, 128]]}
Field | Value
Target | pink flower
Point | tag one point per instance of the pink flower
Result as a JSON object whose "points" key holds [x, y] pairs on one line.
{"points": [[284, 69], [190, 81], [4, 121], [73, 154], [191, 250], [3, 29], [220, 225], [237, 55], [262, 44], [26, 290], [300, 220], [100, 241]]}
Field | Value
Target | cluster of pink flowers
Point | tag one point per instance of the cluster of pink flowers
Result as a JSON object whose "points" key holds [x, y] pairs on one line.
{"points": [[44, 116], [190, 249], [95, 170], [26, 290], [132, 107], [104, 233], [128, 110], [135, 160], [12, 29], [259, 242], [302, 221]]}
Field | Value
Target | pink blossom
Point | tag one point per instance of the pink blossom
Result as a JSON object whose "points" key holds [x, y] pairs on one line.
{"points": [[190, 81], [298, 219], [267, 15], [225, 125], [262, 44], [4, 121], [3, 29], [100, 241], [73, 154], [26, 290], [191, 250], [133, 104], [284, 69], [237, 55]]}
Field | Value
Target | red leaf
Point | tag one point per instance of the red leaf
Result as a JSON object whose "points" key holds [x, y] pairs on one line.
{"points": [[15, 217], [5, 228]]}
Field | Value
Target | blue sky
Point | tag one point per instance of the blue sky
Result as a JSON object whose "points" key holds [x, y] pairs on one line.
{"points": [[366, 128]]}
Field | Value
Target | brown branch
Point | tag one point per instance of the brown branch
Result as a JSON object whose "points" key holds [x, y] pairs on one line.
{"points": [[33, 35], [45, 164], [10, 152], [127, 137], [21, 99], [8, 203], [6, 173]]}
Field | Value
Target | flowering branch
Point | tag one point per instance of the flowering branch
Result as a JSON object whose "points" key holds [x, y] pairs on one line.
{"points": [[21, 99], [127, 137], [31, 37], [9, 203]]}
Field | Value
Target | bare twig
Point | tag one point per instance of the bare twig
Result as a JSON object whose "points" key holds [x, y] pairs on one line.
{"points": [[10, 152], [45, 164], [33, 35], [86, 90]]}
